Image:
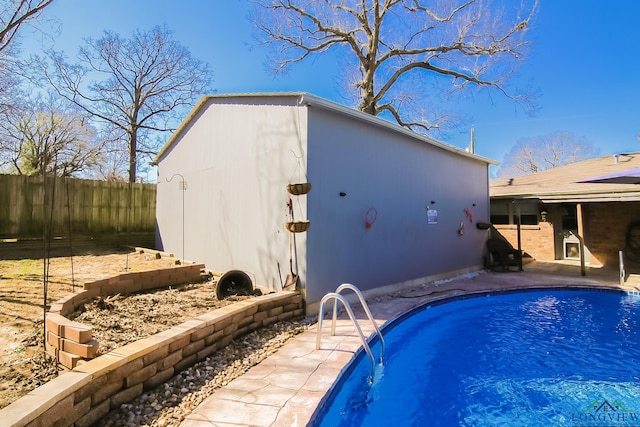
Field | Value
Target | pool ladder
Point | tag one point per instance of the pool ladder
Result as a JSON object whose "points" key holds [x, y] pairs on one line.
{"points": [[336, 296]]}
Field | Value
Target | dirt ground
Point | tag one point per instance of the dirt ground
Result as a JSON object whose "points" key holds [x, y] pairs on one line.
{"points": [[115, 320]]}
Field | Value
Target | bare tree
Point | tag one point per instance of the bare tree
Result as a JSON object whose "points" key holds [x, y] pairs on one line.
{"points": [[47, 136], [397, 52], [530, 155], [114, 165], [16, 13], [134, 86], [14, 16]]}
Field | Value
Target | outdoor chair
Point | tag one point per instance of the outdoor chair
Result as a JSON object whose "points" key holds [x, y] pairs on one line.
{"points": [[502, 254]]}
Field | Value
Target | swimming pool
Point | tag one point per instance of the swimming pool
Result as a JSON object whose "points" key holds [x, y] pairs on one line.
{"points": [[538, 358]]}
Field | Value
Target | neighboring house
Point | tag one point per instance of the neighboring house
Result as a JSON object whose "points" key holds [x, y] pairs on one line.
{"points": [[555, 211], [373, 184]]}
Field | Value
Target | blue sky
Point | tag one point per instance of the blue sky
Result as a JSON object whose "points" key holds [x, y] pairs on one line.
{"points": [[584, 60]]}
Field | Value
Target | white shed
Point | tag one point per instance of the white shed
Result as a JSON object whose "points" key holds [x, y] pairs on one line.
{"points": [[388, 207]]}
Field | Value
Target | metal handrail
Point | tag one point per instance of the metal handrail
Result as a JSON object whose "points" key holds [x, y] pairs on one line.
{"points": [[365, 344], [364, 305]]}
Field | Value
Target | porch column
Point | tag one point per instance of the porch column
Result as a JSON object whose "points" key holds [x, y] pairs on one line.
{"points": [[518, 228], [581, 237]]}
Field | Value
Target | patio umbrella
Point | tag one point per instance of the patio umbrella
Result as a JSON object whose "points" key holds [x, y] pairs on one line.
{"points": [[629, 176]]}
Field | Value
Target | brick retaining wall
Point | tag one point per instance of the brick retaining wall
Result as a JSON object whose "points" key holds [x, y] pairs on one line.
{"points": [[69, 342], [94, 388]]}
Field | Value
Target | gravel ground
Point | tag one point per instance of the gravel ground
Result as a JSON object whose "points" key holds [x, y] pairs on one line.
{"points": [[118, 320], [170, 403]]}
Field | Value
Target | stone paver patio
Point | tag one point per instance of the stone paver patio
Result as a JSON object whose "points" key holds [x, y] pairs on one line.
{"points": [[286, 388]]}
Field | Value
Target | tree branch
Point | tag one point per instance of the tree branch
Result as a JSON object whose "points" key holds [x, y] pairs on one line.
{"points": [[394, 42]]}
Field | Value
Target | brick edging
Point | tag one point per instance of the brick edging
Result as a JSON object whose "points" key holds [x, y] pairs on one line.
{"points": [[69, 342], [91, 390]]}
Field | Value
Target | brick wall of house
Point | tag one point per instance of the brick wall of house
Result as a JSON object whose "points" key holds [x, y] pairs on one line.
{"points": [[606, 226], [536, 240]]}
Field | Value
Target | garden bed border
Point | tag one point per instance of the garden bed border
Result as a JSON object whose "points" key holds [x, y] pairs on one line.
{"points": [[70, 342], [93, 388]]}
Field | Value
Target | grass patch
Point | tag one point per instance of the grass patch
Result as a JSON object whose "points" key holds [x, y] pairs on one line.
{"points": [[22, 268]]}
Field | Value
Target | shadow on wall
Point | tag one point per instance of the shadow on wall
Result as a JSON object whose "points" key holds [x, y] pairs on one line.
{"points": [[158, 244], [632, 248], [495, 234], [500, 252]]}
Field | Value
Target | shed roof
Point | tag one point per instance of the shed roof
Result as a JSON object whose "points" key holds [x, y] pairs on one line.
{"points": [[302, 98], [559, 184]]}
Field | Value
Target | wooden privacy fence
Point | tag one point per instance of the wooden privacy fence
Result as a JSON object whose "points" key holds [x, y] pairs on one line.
{"points": [[80, 206]]}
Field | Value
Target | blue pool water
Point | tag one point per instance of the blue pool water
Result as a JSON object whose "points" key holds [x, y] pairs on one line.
{"points": [[539, 358]]}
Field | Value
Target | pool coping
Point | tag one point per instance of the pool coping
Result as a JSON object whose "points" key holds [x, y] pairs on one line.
{"points": [[288, 387]]}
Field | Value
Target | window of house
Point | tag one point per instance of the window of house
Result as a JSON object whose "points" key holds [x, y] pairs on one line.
{"points": [[506, 212], [500, 211], [529, 212], [569, 217]]}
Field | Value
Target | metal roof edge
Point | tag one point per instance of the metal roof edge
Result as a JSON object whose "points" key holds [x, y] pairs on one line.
{"points": [[309, 99], [183, 124], [586, 193], [575, 197], [202, 101]]}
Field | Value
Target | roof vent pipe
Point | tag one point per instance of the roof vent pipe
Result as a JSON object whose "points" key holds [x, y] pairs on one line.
{"points": [[616, 158], [472, 142]]}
